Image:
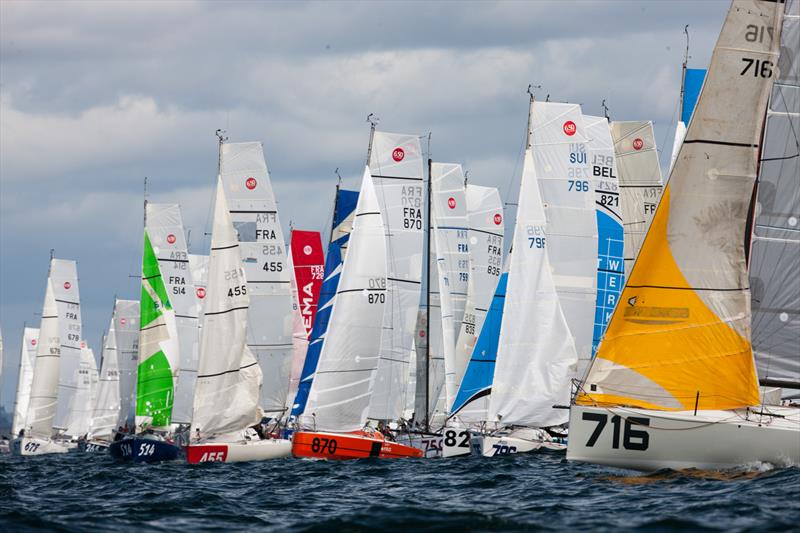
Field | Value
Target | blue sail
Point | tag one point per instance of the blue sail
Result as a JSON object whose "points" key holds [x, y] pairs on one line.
{"points": [[610, 271], [345, 205], [478, 377], [692, 84]]}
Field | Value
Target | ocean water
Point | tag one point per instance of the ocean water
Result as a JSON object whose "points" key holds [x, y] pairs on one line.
{"points": [[81, 492]]}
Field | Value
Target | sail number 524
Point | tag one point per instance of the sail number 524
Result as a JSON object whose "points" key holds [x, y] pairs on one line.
{"points": [[632, 439]]}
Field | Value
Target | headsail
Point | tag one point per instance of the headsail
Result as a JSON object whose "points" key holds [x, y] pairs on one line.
{"points": [[126, 331], [681, 337], [107, 406], [775, 252], [27, 359], [255, 216]]}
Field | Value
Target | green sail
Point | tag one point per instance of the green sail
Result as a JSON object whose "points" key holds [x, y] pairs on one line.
{"points": [[155, 382]]}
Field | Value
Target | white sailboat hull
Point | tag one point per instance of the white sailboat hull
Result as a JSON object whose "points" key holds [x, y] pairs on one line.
{"points": [[649, 440], [519, 440], [430, 443], [237, 452], [36, 446], [456, 442]]}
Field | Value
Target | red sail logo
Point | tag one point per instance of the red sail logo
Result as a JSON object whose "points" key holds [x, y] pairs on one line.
{"points": [[570, 128], [250, 183], [638, 144], [200, 292], [451, 203], [398, 154], [67, 285], [33, 342], [498, 218], [123, 321], [171, 238]]}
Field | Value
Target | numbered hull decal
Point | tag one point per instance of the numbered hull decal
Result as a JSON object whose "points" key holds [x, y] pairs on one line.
{"points": [[141, 450], [342, 446]]}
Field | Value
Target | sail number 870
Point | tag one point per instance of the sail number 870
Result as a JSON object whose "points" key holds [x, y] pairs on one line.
{"points": [[632, 439]]}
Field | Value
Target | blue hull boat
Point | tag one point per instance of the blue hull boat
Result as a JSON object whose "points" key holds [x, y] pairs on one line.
{"points": [[144, 450]]}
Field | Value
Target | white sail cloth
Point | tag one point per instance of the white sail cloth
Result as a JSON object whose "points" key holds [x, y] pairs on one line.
{"points": [[397, 177], [64, 276], [254, 213], [126, 333], [229, 378], [27, 359], [340, 393], [107, 406], [536, 355]]}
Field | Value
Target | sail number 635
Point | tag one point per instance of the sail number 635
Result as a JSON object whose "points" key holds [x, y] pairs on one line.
{"points": [[632, 439]]}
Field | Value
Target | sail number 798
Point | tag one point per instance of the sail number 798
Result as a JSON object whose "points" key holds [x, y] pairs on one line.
{"points": [[632, 439]]}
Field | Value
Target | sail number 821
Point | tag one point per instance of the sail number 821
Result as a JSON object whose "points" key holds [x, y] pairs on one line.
{"points": [[632, 439]]}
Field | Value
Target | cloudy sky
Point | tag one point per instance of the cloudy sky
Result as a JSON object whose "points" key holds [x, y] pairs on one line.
{"points": [[94, 96]]}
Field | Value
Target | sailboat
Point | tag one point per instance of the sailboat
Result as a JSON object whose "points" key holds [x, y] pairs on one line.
{"points": [[105, 414], [226, 399], [159, 354], [306, 260], [59, 332], [126, 333], [640, 182], [674, 381], [332, 424], [27, 359]]}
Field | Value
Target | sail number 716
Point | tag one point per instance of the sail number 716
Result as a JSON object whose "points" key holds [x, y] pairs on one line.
{"points": [[632, 439]]}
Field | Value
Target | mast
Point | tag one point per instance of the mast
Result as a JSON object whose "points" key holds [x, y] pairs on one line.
{"points": [[336, 200], [428, 300], [530, 106], [373, 121], [683, 70]]}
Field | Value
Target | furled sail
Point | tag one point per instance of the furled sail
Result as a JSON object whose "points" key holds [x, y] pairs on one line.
{"points": [[775, 252], [165, 228], [558, 142], [339, 395], [610, 234], [639, 182], [228, 377], [397, 176], [485, 244], [327, 296], [536, 354], [255, 216], [680, 338], [27, 359]]}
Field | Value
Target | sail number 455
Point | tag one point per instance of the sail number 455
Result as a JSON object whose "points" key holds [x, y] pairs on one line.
{"points": [[632, 439]]}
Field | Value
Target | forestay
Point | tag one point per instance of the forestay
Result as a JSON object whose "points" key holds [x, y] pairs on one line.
{"points": [[775, 252], [64, 275], [485, 244], [228, 378], [165, 227], [610, 235], [639, 182], [255, 217], [339, 395], [536, 354], [558, 142], [27, 359], [680, 340], [397, 175]]}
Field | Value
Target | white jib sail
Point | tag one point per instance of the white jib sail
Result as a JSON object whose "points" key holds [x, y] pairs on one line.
{"points": [[64, 276], [84, 398], [229, 378], [639, 181], [167, 236], [560, 157], [27, 359], [107, 406], [263, 251], [340, 392], [126, 332], [485, 244], [680, 133], [449, 216], [536, 356], [397, 177], [44, 388]]}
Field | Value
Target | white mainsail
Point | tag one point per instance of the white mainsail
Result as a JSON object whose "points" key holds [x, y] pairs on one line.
{"points": [[449, 217], [775, 252], [340, 392], [536, 355], [255, 217], [485, 244], [64, 276], [397, 176], [639, 181], [27, 359], [126, 333], [107, 405], [165, 228], [229, 378], [558, 142]]}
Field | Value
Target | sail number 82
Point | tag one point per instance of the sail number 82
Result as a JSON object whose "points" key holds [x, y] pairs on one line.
{"points": [[632, 439]]}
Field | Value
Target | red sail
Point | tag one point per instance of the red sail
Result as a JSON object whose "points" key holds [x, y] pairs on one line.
{"points": [[308, 259]]}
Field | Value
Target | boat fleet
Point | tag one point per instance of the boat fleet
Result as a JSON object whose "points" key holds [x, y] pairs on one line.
{"points": [[630, 321]]}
